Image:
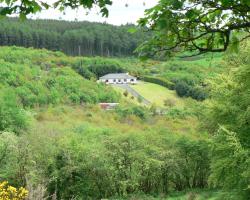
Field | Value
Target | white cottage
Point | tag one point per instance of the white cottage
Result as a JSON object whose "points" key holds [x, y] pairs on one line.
{"points": [[119, 78]]}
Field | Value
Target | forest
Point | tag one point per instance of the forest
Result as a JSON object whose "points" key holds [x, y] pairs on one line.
{"points": [[190, 142], [72, 38]]}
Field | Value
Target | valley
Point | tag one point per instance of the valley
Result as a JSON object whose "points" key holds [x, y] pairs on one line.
{"points": [[99, 111]]}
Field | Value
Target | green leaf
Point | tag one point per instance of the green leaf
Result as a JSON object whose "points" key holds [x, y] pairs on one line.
{"points": [[132, 30], [5, 11], [45, 5], [22, 16]]}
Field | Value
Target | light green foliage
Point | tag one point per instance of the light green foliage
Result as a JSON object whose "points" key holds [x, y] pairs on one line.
{"points": [[230, 167], [192, 25], [229, 107], [231, 96], [109, 157], [73, 149], [12, 117], [13, 158], [36, 79], [132, 110]]}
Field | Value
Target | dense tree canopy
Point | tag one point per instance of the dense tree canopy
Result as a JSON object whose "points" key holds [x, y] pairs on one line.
{"points": [[73, 38], [200, 26]]}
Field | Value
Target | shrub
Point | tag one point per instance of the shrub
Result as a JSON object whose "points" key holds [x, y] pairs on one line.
{"points": [[125, 93], [83, 71], [178, 113], [198, 93], [12, 117], [157, 80], [169, 103], [8, 192], [182, 89], [139, 99], [104, 68], [133, 110]]}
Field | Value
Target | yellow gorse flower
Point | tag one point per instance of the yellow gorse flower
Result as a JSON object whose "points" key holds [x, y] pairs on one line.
{"points": [[8, 192]]}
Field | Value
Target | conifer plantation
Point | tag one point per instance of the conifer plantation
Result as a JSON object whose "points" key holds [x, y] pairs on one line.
{"points": [[72, 38]]}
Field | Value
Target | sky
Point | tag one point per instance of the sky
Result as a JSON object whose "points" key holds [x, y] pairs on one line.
{"points": [[118, 12]]}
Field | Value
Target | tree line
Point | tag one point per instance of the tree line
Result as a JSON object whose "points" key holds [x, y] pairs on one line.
{"points": [[73, 38]]}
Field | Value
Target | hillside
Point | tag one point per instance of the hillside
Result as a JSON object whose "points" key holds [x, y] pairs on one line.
{"points": [[54, 110], [73, 38], [154, 108], [36, 84], [57, 141]]}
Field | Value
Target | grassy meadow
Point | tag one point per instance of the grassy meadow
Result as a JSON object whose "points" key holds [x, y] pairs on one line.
{"points": [[157, 94]]}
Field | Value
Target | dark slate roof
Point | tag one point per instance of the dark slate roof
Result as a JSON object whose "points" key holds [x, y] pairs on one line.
{"points": [[117, 76]]}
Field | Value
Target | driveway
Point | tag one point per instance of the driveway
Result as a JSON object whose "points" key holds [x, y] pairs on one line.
{"points": [[133, 93]]}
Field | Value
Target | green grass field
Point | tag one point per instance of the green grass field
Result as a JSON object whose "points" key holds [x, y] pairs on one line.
{"points": [[129, 99], [158, 94]]}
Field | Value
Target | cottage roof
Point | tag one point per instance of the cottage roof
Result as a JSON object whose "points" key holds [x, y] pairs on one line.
{"points": [[117, 76]]}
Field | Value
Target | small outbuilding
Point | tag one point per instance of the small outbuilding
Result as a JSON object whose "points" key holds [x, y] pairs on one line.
{"points": [[108, 106], [118, 78]]}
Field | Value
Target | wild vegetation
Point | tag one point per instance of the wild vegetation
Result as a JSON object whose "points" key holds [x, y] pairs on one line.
{"points": [[58, 143], [66, 147]]}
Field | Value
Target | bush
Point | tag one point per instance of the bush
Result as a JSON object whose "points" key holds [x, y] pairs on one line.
{"points": [[160, 81], [9, 192], [139, 99], [103, 69], [230, 163], [133, 110], [182, 89], [178, 113], [169, 103], [198, 93], [83, 71], [125, 93], [12, 117]]}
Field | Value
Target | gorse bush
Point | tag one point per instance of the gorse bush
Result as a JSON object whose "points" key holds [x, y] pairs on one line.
{"points": [[8, 192]]}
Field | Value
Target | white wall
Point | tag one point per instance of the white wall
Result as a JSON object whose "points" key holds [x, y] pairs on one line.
{"points": [[116, 81]]}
